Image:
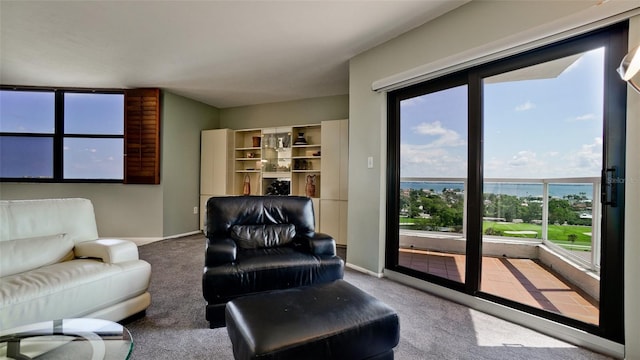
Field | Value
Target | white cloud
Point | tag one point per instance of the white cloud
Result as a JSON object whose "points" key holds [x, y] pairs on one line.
{"points": [[589, 157], [426, 161], [528, 105], [585, 117], [524, 158], [445, 137]]}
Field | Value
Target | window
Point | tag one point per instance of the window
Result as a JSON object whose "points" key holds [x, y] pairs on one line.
{"points": [[78, 135], [27, 128], [93, 136], [504, 176]]}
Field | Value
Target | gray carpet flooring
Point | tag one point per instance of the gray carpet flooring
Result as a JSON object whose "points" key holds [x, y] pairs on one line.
{"points": [[431, 327]]}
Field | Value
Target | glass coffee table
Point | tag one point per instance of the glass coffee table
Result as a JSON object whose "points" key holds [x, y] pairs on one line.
{"points": [[67, 339]]}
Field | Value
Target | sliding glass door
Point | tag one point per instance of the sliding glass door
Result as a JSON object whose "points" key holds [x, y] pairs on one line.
{"points": [[433, 168], [506, 181], [543, 159]]}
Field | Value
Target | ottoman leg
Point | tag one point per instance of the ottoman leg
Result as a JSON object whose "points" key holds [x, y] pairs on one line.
{"points": [[215, 315]]}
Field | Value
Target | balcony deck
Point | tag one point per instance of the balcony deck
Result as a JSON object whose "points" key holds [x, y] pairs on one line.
{"points": [[522, 280]]}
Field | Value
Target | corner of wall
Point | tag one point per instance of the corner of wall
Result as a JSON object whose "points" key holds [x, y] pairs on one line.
{"points": [[632, 211]]}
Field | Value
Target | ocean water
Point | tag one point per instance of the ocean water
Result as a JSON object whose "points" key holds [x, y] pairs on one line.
{"points": [[519, 190]]}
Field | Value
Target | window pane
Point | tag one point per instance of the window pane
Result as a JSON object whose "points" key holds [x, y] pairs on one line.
{"points": [[26, 157], [543, 128], [433, 173], [93, 158], [101, 114], [27, 111]]}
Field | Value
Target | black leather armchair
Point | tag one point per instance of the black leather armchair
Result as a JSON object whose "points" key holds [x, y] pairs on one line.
{"points": [[262, 243]]}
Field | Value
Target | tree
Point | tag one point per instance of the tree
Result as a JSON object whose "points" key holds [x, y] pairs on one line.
{"points": [[560, 212]]}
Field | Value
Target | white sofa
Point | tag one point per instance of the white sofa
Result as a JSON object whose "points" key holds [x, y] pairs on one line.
{"points": [[54, 266]]}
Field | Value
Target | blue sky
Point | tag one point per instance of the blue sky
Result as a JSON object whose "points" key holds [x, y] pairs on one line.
{"points": [[542, 128]]}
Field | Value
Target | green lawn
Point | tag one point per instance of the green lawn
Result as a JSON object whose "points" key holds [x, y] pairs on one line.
{"points": [[556, 233], [559, 234]]}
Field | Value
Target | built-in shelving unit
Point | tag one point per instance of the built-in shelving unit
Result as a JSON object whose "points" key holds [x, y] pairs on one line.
{"points": [[304, 160], [307, 157], [278, 161], [248, 162]]}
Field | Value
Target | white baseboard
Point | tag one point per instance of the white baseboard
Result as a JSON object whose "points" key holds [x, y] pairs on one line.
{"points": [[363, 270], [143, 241], [148, 240]]}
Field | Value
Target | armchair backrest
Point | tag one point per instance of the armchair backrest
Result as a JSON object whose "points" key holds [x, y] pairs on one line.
{"points": [[226, 211]]}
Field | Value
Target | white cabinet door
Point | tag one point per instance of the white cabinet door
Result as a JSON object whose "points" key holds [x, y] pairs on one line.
{"points": [[332, 154], [344, 160], [216, 166], [335, 169], [333, 218], [215, 161]]}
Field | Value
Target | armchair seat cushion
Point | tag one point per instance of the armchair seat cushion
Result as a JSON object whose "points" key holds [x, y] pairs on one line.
{"points": [[266, 269]]}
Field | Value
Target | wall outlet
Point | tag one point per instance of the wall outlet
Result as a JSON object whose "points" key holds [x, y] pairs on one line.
{"points": [[195, 209]]}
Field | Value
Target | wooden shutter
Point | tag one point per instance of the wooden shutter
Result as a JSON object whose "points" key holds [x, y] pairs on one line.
{"points": [[142, 136]]}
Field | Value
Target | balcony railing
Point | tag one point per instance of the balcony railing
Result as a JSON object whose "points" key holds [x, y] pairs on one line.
{"points": [[588, 259]]}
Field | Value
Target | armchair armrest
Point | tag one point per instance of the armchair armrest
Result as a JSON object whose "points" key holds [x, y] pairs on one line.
{"points": [[319, 243], [111, 251], [220, 251]]}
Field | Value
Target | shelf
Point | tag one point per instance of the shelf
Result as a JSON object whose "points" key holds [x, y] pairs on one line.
{"points": [[307, 157], [276, 175], [278, 158], [307, 146]]}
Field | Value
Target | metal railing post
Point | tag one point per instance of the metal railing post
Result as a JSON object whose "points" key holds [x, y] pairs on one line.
{"points": [[545, 211]]}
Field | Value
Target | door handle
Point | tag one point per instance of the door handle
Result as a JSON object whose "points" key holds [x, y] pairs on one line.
{"points": [[609, 188]]}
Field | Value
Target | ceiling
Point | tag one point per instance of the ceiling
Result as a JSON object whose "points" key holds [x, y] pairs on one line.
{"points": [[223, 53]]}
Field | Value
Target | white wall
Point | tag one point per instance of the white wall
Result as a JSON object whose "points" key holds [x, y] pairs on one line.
{"points": [[632, 210], [121, 210], [472, 27], [296, 112]]}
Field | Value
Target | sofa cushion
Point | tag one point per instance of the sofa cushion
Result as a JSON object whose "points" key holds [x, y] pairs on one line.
{"points": [[263, 236], [22, 255], [20, 219], [69, 289]]}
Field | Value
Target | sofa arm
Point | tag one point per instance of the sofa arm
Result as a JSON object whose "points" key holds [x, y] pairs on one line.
{"points": [[320, 243], [220, 251], [111, 251]]}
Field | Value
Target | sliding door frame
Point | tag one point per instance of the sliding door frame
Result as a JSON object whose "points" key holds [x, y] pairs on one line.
{"points": [[614, 38]]}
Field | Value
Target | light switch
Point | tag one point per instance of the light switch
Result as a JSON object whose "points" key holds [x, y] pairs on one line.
{"points": [[370, 162]]}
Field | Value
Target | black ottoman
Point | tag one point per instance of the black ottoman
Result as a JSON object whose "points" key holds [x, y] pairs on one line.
{"points": [[328, 321]]}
